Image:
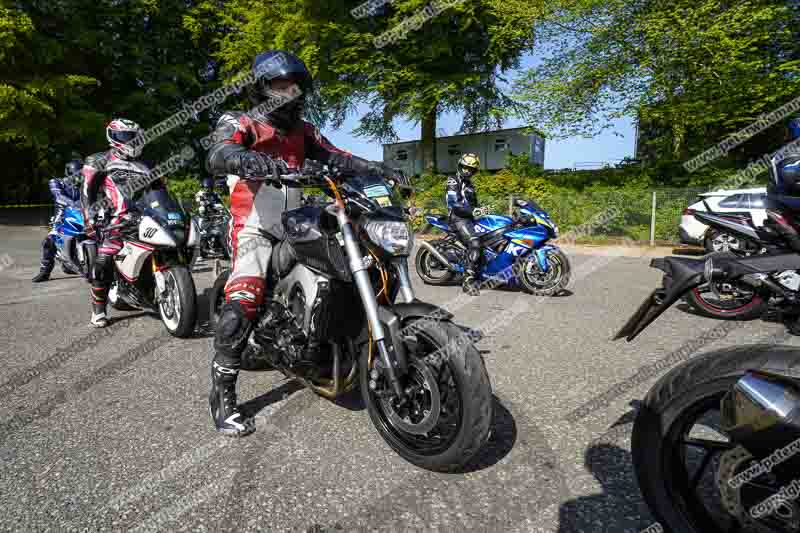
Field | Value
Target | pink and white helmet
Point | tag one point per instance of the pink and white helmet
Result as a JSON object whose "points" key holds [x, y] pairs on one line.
{"points": [[126, 136]]}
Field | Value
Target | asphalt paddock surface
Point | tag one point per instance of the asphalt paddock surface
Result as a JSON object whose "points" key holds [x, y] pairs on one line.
{"points": [[109, 429]]}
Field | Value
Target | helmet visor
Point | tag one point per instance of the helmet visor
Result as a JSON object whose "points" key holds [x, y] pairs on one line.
{"points": [[123, 137], [467, 171]]}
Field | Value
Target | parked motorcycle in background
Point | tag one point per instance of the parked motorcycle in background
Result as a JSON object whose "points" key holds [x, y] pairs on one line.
{"points": [[518, 244], [739, 299], [152, 271], [74, 250]]}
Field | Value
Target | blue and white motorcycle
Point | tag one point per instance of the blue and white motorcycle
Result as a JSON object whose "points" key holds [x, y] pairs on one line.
{"points": [[516, 251], [74, 250]]}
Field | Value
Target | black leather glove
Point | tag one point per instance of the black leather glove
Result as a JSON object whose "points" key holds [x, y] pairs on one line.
{"points": [[258, 166], [357, 165]]}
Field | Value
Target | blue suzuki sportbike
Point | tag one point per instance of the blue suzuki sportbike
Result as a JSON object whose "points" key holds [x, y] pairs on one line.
{"points": [[516, 251], [74, 250]]}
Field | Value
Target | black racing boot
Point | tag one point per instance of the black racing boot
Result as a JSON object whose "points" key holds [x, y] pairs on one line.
{"points": [[222, 403], [471, 285], [43, 275]]}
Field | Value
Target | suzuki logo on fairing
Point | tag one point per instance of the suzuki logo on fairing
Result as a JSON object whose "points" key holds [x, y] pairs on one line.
{"points": [[515, 249], [150, 233]]}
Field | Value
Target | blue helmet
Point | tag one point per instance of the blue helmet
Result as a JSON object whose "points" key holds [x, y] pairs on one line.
{"points": [[207, 183], [794, 128], [73, 168]]}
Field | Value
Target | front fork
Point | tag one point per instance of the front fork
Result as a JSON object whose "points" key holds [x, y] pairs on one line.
{"points": [[401, 267], [359, 270]]}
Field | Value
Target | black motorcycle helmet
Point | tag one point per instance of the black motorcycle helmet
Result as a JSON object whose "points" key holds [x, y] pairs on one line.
{"points": [[275, 65], [783, 188], [207, 184], [73, 167]]}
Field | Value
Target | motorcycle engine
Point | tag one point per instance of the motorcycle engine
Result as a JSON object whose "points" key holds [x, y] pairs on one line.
{"points": [[279, 334]]}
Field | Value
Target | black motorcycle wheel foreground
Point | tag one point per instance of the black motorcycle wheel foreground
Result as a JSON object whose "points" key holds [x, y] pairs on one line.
{"points": [[547, 283], [679, 448], [446, 419], [430, 269]]}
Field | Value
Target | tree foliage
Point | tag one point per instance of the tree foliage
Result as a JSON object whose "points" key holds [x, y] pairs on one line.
{"points": [[453, 62], [692, 71]]}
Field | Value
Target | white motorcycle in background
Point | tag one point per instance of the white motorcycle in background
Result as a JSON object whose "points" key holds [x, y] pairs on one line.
{"points": [[152, 271]]}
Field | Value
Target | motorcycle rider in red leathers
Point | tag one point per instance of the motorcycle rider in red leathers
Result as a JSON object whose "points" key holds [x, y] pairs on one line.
{"points": [[252, 147], [105, 177]]}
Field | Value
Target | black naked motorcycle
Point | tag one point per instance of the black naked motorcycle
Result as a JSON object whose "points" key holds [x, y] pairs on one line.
{"points": [[716, 443], [338, 280]]}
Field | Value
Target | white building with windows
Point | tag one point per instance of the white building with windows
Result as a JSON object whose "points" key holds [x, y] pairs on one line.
{"points": [[493, 148]]}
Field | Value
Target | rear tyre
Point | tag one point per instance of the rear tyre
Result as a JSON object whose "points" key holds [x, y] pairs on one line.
{"points": [[740, 303], [430, 269], [179, 310], [448, 415], [674, 409]]}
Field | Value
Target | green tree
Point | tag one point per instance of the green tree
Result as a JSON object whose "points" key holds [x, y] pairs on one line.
{"points": [[453, 62], [68, 66], [692, 71]]}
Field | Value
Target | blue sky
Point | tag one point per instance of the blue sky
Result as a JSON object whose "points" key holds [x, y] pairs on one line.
{"points": [[558, 153]]}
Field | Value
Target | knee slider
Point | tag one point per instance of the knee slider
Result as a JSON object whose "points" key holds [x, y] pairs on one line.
{"points": [[233, 330]]}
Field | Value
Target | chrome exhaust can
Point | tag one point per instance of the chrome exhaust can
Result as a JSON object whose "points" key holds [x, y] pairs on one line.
{"points": [[762, 412]]}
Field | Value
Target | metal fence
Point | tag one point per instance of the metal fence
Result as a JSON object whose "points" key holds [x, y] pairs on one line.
{"points": [[651, 216]]}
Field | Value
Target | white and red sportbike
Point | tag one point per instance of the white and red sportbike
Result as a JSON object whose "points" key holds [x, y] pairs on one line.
{"points": [[152, 271]]}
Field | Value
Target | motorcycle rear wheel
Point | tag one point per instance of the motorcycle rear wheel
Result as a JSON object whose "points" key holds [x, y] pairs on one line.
{"points": [[455, 380], [671, 412], [426, 263], [748, 307]]}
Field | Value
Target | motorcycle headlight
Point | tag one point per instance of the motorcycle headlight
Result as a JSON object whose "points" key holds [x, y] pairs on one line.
{"points": [[394, 237]]}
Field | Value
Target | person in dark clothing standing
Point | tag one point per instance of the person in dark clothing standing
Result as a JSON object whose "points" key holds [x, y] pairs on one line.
{"points": [[462, 201]]}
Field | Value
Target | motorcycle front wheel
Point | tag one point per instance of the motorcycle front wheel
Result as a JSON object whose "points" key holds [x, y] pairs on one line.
{"points": [[178, 308], [679, 448], [447, 416], [547, 283]]}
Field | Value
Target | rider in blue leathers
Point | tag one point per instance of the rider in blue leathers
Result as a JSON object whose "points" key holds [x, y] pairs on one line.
{"points": [[461, 201], [66, 192]]}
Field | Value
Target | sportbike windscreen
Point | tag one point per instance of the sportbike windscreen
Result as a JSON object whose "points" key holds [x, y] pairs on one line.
{"points": [[163, 207], [531, 204]]}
